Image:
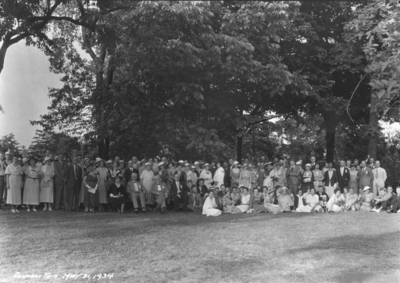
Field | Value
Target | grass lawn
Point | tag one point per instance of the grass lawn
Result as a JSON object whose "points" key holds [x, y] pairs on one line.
{"points": [[347, 247]]}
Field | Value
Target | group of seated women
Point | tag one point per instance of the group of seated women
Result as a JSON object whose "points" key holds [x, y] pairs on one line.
{"points": [[314, 200]]}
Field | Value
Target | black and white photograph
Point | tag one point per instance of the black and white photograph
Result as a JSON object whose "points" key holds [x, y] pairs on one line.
{"points": [[199, 141]]}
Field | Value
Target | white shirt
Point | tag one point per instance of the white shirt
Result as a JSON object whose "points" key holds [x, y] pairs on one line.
{"points": [[379, 176], [178, 187], [312, 200], [341, 170]]}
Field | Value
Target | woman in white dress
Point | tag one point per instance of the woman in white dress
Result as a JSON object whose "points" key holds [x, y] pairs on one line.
{"points": [[47, 185], [31, 187], [14, 184], [147, 178], [245, 200], [209, 206], [301, 207]]}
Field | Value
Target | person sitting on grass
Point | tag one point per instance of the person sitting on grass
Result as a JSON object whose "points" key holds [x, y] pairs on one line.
{"points": [[202, 189], [301, 205], [285, 201], [135, 189], [210, 206], [336, 202], [313, 201], [117, 194], [161, 191], [245, 200], [365, 199], [351, 201], [195, 201], [269, 202], [381, 202], [257, 202], [91, 183], [236, 196], [395, 202], [323, 197], [228, 202]]}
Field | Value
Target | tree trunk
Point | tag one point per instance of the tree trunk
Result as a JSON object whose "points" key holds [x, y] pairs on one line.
{"points": [[331, 123], [374, 127], [239, 146]]}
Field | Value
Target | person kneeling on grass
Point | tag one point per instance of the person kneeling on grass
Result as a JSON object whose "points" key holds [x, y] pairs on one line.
{"points": [[161, 191], [117, 194], [136, 190], [351, 201], [336, 202], [382, 201], [210, 206], [285, 201], [313, 201]]}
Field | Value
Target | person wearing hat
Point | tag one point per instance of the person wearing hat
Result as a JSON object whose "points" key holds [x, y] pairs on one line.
{"points": [[31, 187], [161, 191], [307, 178], [365, 199], [285, 200], [206, 175], [197, 169], [91, 185], [61, 192], [147, 179], [103, 176], [14, 184], [270, 200], [46, 191], [117, 194]]}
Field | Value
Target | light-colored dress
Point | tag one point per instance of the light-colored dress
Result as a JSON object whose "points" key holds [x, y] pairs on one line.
{"points": [[245, 203], [15, 179], [245, 179], [330, 189], [147, 178], [209, 207], [31, 187], [47, 184], [301, 207], [353, 183], [228, 202], [366, 201], [235, 174], [103, 173], [318, 176], [270, 206], [82, 192]]}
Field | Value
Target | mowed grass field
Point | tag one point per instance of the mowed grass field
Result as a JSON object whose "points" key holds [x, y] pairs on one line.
{"points": [[179, 247]]}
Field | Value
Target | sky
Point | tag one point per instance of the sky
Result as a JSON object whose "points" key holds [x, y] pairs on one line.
{"points": [[24, 84]]}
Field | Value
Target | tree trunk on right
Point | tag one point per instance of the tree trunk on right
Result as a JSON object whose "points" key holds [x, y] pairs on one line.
{"points": [[373, 126]]}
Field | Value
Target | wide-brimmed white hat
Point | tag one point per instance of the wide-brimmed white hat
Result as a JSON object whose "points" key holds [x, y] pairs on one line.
{"points": [[196, 163], [366, 188], [109, 161], [147, 164], [187, 164], [298, 163], [235, 163], [181, 161], [160, 164], [47, 158], [205, 165], [98, 159], [8, 152], [308, 164]]}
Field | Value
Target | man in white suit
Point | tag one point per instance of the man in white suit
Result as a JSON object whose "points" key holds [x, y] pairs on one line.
{"points": [[379, 178]]}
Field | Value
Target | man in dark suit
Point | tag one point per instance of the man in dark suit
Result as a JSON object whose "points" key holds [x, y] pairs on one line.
{"points": [[343, 175], [60, 182], [74, 182], [129, 171], [179, 192]]}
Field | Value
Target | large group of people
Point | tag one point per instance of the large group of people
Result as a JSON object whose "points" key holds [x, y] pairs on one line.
{"points": [[282, 185]]}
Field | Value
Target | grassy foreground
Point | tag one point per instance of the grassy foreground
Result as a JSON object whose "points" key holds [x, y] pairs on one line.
{"points": [[347, 247]]}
